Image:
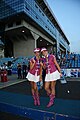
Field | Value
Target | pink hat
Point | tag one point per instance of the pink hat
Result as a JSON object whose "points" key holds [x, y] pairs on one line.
{"points": [[36, 49], [43, 49]]}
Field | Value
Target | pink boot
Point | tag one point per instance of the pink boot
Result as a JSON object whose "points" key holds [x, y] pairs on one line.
{"points": [[35, 100], [38, 100], [51, 102]]}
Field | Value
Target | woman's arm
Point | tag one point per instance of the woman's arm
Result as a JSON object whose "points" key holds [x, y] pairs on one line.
{"points": [[41, 66], [57, 65], [32, 63]]}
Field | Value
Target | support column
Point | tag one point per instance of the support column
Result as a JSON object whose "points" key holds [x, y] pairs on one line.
{"points": [[35, 36]]}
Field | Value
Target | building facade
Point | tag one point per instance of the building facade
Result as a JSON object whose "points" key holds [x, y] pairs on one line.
{"points": [[26, 24]]}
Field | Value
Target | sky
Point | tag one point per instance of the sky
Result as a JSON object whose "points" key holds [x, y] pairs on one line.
{"points": [[67, 13]]}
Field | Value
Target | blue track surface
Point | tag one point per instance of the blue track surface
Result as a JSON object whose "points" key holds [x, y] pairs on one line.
{"points": [[23, 105]]}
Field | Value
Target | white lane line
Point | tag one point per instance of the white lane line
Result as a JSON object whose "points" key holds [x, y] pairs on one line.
{"points": [[13, 83]]}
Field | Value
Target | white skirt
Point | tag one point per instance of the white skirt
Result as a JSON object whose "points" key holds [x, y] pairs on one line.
{"points": [[52, 76], [32, 77]]}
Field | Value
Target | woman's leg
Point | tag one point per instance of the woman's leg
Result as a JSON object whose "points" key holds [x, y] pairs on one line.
{"points": [[32, 88], [52, 95], [53, 84], [35, 93], [47, 88]]}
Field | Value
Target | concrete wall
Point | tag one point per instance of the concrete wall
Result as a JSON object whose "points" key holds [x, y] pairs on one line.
{"points": [[1, 52], [24, 48]]}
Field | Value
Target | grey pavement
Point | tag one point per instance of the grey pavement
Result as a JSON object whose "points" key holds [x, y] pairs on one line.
{"points": [[12, 79]]}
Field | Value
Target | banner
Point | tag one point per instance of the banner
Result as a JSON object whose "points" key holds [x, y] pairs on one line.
{"points": [[71, 72]]}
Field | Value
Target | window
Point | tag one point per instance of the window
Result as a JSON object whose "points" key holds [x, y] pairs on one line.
{"points": [[27, 8], [36, 6], [36, 17], [42, 14], [39, 10], [46, 26], [47, 20]]}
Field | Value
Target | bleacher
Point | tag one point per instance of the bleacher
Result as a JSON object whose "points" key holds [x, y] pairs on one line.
{"points": [[15, 61], [5, 60], [72, 63]]}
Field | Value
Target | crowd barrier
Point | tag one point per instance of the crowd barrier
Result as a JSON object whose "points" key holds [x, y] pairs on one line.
{"points": [[71, 72]]}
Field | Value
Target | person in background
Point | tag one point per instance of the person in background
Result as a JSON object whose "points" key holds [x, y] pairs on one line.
{"points": [[19, 71], [78, 72], [28, 64], [53, 73], [35, 75], [24, 70]]}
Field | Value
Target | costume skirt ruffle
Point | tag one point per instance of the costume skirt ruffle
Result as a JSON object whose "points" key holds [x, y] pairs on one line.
{"points": [[52, 76], [32, 77]]}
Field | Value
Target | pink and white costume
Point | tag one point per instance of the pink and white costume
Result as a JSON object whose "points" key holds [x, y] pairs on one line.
{"points": [[52, 73], [34, 73]]}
